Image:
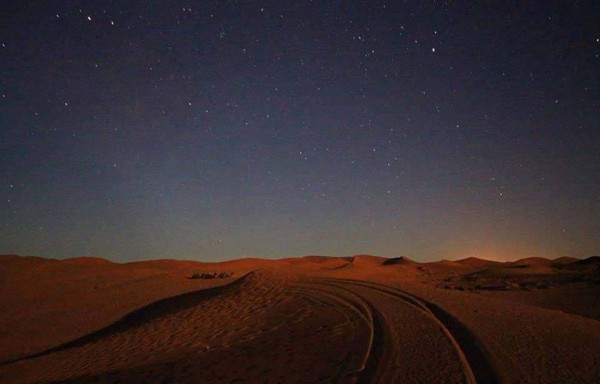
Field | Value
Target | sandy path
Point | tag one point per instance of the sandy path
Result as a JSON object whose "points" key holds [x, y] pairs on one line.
{"points": [[409, 342]]}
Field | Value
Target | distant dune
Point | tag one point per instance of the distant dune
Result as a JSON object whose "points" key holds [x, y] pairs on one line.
{"points": [[361, 318], [476, 262], [398, 260]]}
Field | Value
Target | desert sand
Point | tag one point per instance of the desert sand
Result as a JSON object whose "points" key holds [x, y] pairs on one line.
{"points": [[358, 319]]}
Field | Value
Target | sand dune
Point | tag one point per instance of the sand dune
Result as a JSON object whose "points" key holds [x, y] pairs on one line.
{"points": [[356, 319], [398, 260], [477, 262]]}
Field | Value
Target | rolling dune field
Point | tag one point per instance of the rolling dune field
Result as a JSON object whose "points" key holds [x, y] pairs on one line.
{"points": [[360, 319]]}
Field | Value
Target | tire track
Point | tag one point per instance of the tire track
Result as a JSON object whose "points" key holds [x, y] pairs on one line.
{"points": [[476, 366], [350, 301], [378, 361]]}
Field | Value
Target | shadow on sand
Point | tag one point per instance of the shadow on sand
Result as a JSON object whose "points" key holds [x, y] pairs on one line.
{"points": [[140, 316]]}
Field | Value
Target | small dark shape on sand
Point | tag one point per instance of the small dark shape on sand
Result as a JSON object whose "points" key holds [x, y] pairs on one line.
{"points": [[212, 275]]}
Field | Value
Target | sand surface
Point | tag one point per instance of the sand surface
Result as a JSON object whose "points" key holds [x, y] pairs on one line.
{"points": [[360, 319]]}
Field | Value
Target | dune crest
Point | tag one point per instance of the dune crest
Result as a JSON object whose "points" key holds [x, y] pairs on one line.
{"points": [[399, 260]]}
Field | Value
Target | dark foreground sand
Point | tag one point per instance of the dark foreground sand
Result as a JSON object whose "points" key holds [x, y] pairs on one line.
{"points": [[361, 319]]}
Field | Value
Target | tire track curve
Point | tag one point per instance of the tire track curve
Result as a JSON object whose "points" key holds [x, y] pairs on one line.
{"points": [[349, 301], [477, 368]]}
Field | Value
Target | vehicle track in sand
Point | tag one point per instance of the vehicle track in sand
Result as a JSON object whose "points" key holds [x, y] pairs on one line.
{"points": [[359, 332], [475, 366], [351, 304]]}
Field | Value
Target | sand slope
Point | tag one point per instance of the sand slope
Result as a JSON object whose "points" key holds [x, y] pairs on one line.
{"points": [[358, 319]]}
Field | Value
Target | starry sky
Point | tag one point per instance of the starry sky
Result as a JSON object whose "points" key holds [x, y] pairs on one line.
{"points": [[219, 130]]}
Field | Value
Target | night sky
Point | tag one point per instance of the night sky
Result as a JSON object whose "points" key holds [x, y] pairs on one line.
{"points": [[212, 131]]}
